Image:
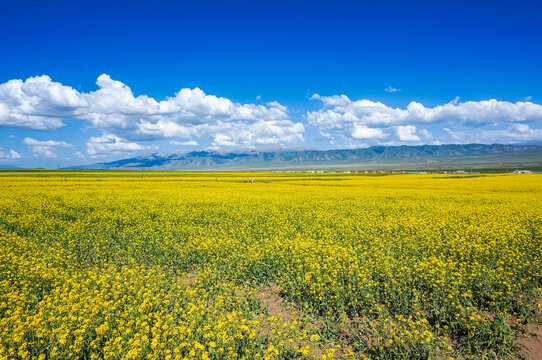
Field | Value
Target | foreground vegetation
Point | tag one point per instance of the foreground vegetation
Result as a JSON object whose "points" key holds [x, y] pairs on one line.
{"points": [[178, 266]]}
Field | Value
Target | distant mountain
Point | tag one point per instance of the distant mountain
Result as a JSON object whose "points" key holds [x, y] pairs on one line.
{"points": [[423, 156], [8, 166]]}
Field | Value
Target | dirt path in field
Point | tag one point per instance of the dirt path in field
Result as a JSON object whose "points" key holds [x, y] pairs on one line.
{"points": [[189, 279], [275, 304], [532, 343], [277, 307]]}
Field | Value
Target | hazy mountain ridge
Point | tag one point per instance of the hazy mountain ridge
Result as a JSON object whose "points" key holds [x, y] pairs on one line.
{"points": [[361, 158]]}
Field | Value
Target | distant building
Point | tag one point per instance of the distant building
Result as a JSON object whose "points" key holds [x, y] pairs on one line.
{"points": [[522, 172], [460, 172]]}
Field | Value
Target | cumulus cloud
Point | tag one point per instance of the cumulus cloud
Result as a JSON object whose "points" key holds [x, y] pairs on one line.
{"points": [[223, 140], [516, 133], [44, 148], [391, 89], [364, 132], [191, 117], [14, 154], [39, 103], [78, 154], [426, 134], [455, 101], [45, 143], [363, 119], [184, 143], [407, 133], [111, 144], [11, 155], [374, 113], [326, 135]]}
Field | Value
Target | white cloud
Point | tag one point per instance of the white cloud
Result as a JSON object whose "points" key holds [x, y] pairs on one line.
{"points": [[326, 135], [11, 155], [277, 105], [374, 113], [14, 154], [426, 134], [111, 144], [516, 133], [127, 121], [369, 119], [407, 133], [334, 100], [49, 143], [44, 148], [521, 132], [364, 132], [223, 140], [184, 143], [391, 89], [520, 128], [39, 103], [258, 97]]}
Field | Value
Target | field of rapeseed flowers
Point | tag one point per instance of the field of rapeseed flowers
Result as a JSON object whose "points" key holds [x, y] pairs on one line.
{"points": [[177, 266]]}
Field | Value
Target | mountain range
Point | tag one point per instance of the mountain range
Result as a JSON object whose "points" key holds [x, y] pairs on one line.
{"points": [[376, 157]]}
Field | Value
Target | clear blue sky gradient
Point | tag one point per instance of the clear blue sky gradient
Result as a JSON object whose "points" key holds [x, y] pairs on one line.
{"points": [[283, 51]]}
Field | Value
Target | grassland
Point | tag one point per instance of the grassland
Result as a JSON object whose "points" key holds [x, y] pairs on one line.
{"points": [[212, 265]]}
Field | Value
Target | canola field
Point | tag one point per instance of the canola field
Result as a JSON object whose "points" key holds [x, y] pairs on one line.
{"points": [[115, 265]]}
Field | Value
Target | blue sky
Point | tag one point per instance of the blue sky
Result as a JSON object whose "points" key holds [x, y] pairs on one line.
{"points": [[85, 82]]}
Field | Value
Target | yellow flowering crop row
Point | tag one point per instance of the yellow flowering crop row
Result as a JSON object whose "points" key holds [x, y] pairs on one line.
{"points": [[172, 266]]}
